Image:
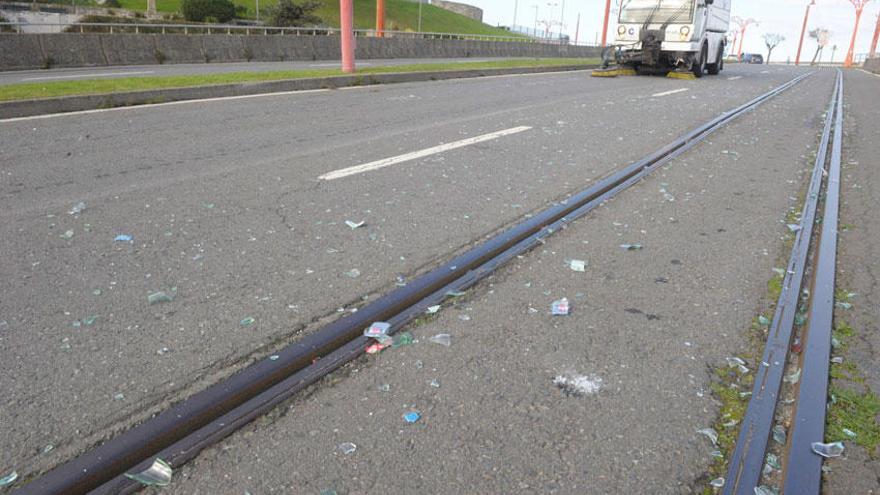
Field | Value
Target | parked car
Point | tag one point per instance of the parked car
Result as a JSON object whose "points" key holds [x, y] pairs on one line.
{"points": [[752, 58]]}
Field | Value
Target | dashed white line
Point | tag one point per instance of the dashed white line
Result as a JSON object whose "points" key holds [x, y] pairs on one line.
{"points": [[671, 92], [734, 78], [153, 105], [385, 162], [93, 74]]}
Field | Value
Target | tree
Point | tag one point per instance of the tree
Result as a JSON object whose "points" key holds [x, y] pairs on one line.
{"points": [[772, 40], [203, 10], [822, 37], [288, 13]]}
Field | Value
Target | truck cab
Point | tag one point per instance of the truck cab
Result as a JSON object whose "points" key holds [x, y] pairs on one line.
{"points": [[664, 35]]}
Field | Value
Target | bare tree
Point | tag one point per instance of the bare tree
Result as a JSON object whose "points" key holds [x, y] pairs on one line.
{"points": [[772, 40], [822, 37]]}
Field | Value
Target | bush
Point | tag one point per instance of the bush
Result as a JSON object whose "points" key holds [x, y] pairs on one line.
{"points": [[290, 13], [112, 4], [200, 10]]}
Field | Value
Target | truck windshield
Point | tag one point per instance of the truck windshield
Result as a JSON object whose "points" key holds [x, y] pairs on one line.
{"points": [[664, 11]]}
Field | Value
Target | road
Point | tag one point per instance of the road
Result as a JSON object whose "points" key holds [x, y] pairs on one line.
{"points": [[228, 215], [77, 74]]}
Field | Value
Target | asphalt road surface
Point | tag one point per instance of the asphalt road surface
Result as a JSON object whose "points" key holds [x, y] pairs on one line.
{"points": [[229, 216], [78, 74]]}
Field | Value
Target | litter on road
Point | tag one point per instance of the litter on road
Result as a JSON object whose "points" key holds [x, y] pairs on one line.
{"points": [[575, 385], [354, 225], [577, 265], [442, 339], [560, 307], [123, 238], [162, 296], [347, 448], [9, 479], [247, 321], [77, 208], [834, 449], [412, 417], [631, 247], [711, 434], [158, 474]]}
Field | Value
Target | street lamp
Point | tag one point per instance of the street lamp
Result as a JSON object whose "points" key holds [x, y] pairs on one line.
{"points": [[797, 58], [605, 24], [743, 24], [536, 20], [859, 5]]}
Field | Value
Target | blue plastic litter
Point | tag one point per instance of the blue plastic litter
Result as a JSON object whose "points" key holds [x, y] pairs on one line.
{"points": [[412, 417], [123, 238]]}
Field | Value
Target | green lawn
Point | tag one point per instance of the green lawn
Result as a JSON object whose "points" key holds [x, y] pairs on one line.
{"points": [[400, 15], [28, 91]]}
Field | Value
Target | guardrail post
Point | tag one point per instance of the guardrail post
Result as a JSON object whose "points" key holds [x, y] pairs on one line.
{"points": [[185, 30], [163, 29], [136, 31], [111, 29]]}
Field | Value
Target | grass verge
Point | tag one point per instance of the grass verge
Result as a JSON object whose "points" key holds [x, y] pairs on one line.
{"points": [[27, 91]]}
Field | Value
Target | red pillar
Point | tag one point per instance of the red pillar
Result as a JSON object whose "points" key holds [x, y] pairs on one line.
{"points": [[605, 24], [848, 61], [742, 37], [873, 50], [797, 58], [346, 33], [380, 18]]}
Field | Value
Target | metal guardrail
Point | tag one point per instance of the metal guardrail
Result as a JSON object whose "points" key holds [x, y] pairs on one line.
{"points": [[170, 28]]}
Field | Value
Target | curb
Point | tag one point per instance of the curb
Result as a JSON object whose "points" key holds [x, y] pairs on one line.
{"points": [[28, 108]]}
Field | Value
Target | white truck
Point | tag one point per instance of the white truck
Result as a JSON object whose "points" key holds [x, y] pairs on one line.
{"points": [[666, 35]]}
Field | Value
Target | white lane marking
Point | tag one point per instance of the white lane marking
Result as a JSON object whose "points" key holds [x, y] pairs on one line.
{"points": [[94, 74], [671, 92], [869, 73], [152, 105], [734, 78], [367, 167]]}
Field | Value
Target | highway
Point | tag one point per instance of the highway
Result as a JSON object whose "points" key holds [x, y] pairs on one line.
{"points": [[237, 210], [80, 73]]}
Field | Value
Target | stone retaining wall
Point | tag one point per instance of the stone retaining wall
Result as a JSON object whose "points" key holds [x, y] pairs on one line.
{"points": [[34, 51]]}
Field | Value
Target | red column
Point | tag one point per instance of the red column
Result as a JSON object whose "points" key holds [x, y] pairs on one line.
{"points": [[605, 24], [742, 37], [380, 18], [797, 58], [346, 33], [848, 61], [873, 50]]}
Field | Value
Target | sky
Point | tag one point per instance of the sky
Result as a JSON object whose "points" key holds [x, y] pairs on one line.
{"points": [[784, 17]]}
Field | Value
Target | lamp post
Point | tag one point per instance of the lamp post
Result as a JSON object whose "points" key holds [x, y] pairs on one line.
{"points": [[743, 24], [346, 33], [605, 23], [515, 6], [797, 58], [380, 18], [859, 5], [536, 20]]}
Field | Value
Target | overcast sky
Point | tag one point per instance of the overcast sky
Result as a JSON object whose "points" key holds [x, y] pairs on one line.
{"points": [[774, 16]]}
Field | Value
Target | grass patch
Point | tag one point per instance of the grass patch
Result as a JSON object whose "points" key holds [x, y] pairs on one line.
{"points": [[400, 15], [856, 412], [774, 288], [52, 89]]}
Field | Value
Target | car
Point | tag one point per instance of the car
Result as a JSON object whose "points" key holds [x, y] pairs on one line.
{"points": [[752, 58]]}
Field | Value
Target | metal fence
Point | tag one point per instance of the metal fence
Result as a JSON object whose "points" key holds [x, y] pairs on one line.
{"points": [[171, 28]]}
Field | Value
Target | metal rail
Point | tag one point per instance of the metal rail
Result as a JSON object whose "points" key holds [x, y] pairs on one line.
{"points": [[180, 432], [182, 28], [803, 472], [747, 462]]}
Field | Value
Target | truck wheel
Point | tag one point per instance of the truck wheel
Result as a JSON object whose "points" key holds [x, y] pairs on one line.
{"points": [[699, 68], [715, 68]]}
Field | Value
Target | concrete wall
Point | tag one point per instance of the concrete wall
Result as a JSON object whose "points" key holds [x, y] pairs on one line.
{"points": [[460, 8], [873, 65], [33, 51]]}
